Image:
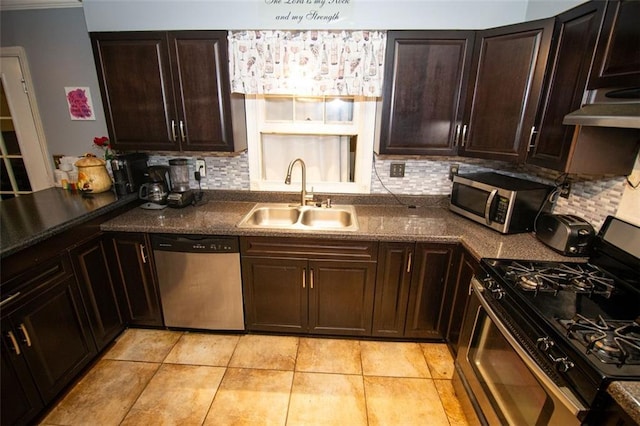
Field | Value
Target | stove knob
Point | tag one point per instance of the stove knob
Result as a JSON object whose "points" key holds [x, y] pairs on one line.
{"points": [[544, 344], [563, 365]]}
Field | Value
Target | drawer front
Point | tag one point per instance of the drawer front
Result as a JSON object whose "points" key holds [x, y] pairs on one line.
{"points": [[315, 248]]}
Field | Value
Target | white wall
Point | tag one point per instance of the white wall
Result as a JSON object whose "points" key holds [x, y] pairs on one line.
{"points": [[629, 208], [120, 15]]}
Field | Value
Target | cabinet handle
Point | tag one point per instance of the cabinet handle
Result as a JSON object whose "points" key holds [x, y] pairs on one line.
{"points": [[173, 130], [14, 342], [532, 138], [464, 135], [311, 278], [182, 134], [409, 262], [9, 299], [457, 136], [304, 277], [27, 339], [144, 256]]}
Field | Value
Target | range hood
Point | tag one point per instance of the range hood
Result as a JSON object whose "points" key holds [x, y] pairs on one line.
{"points": [[617, 108]]}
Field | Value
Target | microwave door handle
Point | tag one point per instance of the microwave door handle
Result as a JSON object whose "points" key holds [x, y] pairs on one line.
{"points": [[487, 207]]}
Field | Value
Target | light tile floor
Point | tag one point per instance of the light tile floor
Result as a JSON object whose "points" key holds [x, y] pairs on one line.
{"points": [[154, 377]]}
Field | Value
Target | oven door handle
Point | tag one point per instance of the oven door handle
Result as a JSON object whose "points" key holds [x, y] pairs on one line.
{"points": [[487, 206], [564, 395]]}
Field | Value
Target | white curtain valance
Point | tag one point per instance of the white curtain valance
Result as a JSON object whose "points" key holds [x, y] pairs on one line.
{"points": [[318, 63]]}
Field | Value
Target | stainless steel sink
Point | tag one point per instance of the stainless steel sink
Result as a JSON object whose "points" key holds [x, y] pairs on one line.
{"points": [[272, 216], [286, 216]]}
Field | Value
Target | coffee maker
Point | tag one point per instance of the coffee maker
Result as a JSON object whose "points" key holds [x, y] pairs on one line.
{"points": [[156, 190], [129, 172]]}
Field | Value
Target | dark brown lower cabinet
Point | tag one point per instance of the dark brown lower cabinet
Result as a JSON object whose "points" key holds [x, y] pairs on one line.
{"points": [[308, 286], [46, 339], [91, 265], [466, 267], [133, 270], [412, 297]]}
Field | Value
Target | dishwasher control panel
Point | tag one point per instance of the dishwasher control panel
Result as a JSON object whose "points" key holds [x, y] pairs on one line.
{"points": [[194, 243]]}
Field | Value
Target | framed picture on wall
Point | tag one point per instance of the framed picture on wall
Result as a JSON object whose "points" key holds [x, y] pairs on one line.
{"points": [[79, 103]]}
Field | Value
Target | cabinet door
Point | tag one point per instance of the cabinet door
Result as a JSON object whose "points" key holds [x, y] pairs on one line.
{"points": [[426, 317], [54, 336], [392, 288], [575, 37], [509, 65], [426, 74], [20, 399], [137, 94], [91, 265], [465, 270], [200, 70], [275, 294], [617, 57], [341, 297], [134, 271]]}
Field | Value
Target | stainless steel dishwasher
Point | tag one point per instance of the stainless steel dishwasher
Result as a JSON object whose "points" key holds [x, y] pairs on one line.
{"points": [[200, 282]]}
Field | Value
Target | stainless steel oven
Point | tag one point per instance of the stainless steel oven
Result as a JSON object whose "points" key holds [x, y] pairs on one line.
{"points": [[508, 385], [541, 341]]}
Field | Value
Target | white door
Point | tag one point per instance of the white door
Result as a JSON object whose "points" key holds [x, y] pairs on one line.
{"points": [[24, 165]]}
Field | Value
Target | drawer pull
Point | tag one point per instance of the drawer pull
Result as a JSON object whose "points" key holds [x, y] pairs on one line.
{"points": [[409, 262], [14, 342], [304, 277], [142, 255], [9, 299], [311, 277], [27, 339]]}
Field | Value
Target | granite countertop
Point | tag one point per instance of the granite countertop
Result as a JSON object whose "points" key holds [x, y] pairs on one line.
{"points": [[29, 219], [381, 222]]}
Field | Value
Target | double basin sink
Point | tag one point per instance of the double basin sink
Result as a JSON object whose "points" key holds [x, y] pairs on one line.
{"points": [[287, 216]]}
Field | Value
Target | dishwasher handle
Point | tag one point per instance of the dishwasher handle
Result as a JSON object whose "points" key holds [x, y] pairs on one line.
{"points": [[194, 243]]}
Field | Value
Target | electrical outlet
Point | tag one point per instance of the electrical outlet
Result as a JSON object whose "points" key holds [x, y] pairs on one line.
{"points": [[453, 170], [397, 170], [565, 189], [201, 167]]}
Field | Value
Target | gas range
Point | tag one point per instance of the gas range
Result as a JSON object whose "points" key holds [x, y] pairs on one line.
{"points": [[579, 320]]}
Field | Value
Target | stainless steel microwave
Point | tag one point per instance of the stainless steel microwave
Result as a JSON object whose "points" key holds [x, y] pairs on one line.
{"points": [[504, 203]]}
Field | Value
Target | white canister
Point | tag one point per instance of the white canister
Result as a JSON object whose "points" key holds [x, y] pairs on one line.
{"points": [[59, 176]]}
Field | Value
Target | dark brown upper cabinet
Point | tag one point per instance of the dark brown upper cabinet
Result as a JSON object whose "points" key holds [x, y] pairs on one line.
{"points": [[617, 56], [423, 99], [575, 36], [165, 91], [508, 71]]}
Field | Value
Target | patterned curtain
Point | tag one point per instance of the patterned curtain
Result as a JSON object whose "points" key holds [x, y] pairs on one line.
{"points": [[317, 63]]}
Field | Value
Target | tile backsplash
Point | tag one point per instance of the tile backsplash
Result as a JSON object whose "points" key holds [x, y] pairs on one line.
{"points": [[591, 197]]}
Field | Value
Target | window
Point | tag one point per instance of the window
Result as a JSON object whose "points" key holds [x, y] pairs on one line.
{"points": [[333, 135]]}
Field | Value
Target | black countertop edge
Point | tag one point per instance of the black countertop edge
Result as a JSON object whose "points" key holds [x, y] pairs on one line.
{"points": [[65, 224]]}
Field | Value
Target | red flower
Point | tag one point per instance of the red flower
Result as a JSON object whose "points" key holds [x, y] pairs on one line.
{"points": [[101, 141]]}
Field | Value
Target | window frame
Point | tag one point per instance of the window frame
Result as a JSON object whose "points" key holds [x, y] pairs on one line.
{"points": [[362, 125]]}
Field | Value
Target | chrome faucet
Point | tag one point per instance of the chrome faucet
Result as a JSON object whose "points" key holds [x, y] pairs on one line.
{"points": [[287, 180]]}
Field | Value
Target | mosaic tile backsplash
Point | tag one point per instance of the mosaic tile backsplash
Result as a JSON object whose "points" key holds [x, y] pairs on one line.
{"points": [[591, 197]]}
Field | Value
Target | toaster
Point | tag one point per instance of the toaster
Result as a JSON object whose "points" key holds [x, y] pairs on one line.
{"points": [[567, 234]]}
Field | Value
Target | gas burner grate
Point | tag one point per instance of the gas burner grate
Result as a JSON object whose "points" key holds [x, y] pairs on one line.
{"points": [[553, 277], [612, 342]]}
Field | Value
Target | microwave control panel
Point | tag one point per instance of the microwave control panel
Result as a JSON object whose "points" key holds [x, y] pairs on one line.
{"points": [[499, 213]]}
